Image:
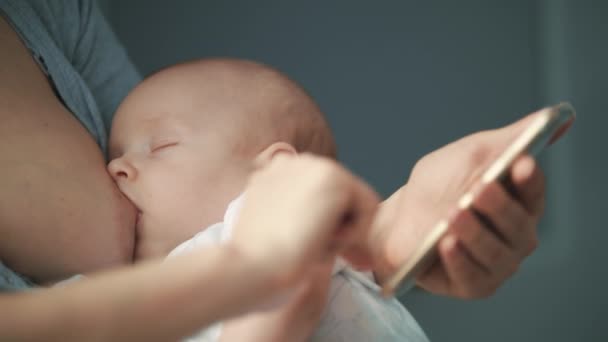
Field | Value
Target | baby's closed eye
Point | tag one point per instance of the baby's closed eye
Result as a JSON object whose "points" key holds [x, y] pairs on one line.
{"points": [[162, 145]]}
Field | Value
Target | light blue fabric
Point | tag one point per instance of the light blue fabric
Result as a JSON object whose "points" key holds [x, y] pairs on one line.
{"points": [[76, 48], [84, 62], [11, 281], [355, 312]]}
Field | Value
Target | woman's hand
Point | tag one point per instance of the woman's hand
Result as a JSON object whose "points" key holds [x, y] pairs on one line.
{"points": [[476, 257], [299, 213]]}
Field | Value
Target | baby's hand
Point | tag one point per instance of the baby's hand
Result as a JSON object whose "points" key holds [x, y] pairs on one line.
{"points": [[298, 213], [293, 320]]}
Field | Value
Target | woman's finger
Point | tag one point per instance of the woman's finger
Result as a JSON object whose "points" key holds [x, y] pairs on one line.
{"points": [[466, 278], [487, 249], [507, 217], [529, 183]]}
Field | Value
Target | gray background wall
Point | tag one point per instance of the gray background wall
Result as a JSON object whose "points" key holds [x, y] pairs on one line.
{"points": [[400, 78]]}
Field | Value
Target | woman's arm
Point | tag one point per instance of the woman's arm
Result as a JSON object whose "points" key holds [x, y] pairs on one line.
{"points": [[149, 302], [328, 208]]}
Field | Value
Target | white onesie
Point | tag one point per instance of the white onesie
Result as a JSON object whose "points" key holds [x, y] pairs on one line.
{"points": [[355, 312]]}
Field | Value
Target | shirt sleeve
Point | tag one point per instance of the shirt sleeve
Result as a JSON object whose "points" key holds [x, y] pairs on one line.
{"points": [[101, 60], [86, 65]]}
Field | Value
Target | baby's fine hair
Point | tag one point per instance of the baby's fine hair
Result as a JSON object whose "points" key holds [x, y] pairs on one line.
{"points": [[291, 115], [275, 108]]}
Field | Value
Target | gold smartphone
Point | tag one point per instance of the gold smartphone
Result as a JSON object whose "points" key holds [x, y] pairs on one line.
{"points": [[549, 123]]}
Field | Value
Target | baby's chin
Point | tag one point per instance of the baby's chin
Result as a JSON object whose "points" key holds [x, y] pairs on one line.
{"points": [[146, 249], [156, 240], [147, 244]]}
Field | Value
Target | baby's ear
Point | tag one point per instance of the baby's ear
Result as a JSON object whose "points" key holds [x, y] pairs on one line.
{"points": [[264, 157]]}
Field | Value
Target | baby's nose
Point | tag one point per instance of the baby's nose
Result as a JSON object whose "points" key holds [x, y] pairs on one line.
{"points": [[120, 169]]}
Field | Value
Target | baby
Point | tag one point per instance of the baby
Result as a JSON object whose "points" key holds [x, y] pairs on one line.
{"points": [[182, 146]]}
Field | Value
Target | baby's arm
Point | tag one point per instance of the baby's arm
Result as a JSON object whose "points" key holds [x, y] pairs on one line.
{"points": [[294, 320]]}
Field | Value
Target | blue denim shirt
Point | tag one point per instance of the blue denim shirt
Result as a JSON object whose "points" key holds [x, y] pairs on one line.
{"points": [[11, 281]]}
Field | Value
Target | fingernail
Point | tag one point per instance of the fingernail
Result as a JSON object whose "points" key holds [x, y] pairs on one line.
{"points": [[527, 168]]}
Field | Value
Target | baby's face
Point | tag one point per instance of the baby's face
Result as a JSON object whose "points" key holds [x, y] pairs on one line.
{"points": [[177, 168]]}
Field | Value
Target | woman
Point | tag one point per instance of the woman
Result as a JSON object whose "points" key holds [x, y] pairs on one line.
{"points": [[62, 74]]}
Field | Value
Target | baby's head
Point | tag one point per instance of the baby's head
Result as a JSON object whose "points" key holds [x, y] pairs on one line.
{"points": [[185, 140]]}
